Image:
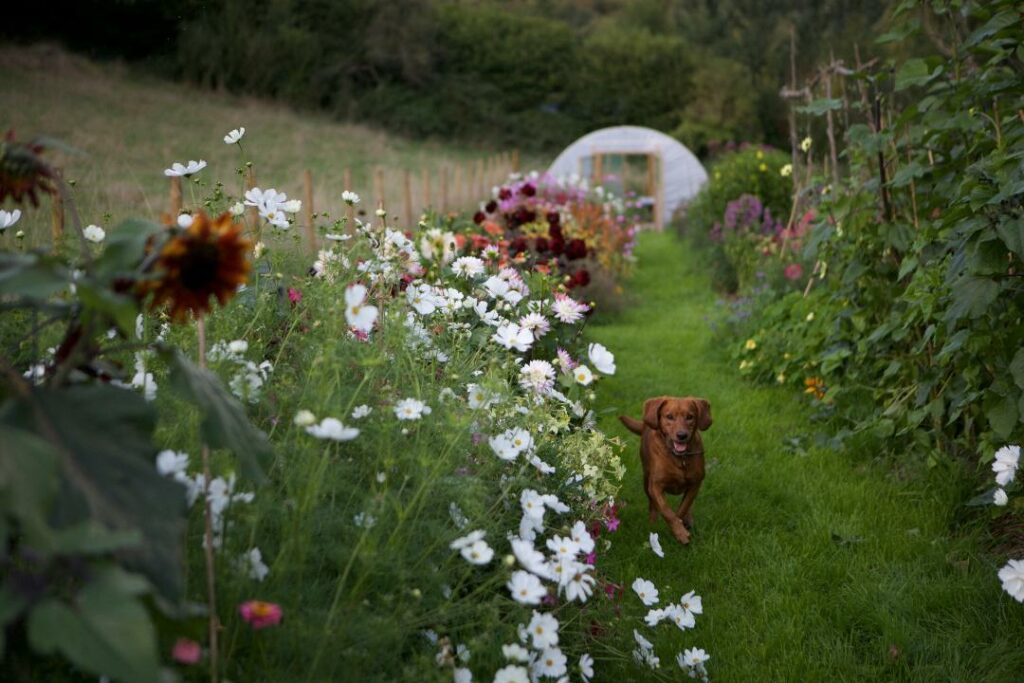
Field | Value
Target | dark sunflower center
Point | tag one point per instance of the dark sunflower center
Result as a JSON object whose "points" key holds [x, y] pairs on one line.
{"points": [[199, 266]]}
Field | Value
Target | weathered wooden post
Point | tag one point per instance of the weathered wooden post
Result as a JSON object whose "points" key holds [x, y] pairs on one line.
{"points": [[407, 210], [444, 189], [307, 214], [175, 197], [57, 210], [350, 211]]}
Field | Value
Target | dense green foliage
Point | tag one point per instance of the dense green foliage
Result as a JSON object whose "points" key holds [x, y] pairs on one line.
{"points": [[530, 74], [911, 330]]}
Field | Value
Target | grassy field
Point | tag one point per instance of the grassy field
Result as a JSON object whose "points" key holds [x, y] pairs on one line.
{"points": [[129, 127], [813, 566]]}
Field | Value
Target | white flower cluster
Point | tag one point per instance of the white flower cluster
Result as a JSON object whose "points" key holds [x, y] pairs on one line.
{"points": [[248, 380], [1005, 465], [682, 614], [272, 205]]}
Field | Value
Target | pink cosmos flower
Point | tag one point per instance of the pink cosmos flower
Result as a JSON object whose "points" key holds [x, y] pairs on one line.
{"points": [[186, 651], [294, 295], [794, 271], [591, 558], [612, 523], [261, 614]]}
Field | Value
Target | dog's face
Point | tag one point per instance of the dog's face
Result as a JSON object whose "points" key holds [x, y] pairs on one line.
{"points": [[679, 421]]}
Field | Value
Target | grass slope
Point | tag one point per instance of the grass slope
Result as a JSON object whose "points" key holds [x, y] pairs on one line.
{"points": [[130, 127], [816, 567]]}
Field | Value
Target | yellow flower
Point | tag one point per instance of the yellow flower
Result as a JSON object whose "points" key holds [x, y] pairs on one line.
{"points": [[786, 170], [780, 378], [805, 145], [816, 386], [810, 316], [760, 154], [750, 345], [763, 167], [746, 364]]}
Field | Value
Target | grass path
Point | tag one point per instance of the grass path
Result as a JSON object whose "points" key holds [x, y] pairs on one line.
{"points": [[824, 566]]}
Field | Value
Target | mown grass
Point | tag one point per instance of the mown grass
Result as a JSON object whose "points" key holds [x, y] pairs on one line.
{"points": [[813, 566], [129, 127]]}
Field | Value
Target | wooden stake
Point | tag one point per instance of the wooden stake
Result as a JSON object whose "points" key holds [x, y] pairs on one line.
{"points": [[598, 168], [176, 197], [515, 161], [407, 199], [307, 181], [458, 186], [830, 128], [428, 193], [378, 185], [444, 189], [57, 212]]}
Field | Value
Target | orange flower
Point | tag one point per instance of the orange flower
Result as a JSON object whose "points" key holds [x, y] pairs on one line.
{"points": [[209, 258], [492, 228], [816, 386]]}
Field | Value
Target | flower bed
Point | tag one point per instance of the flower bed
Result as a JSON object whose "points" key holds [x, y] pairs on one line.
{"points": [[438, 500]]}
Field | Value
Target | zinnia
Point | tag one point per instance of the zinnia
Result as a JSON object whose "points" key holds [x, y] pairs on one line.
{"points": [[261, 614]]}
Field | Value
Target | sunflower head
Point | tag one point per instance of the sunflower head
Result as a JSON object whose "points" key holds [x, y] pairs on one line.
{"points": [[23, 173], [207, 259]]}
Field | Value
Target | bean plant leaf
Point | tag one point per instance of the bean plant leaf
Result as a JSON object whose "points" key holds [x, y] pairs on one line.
{"points": [[1012, 234], [971, 297], [105, 630], [914, 72], [28, 482], [1001, 412], [103, 436], [1017, 368], [224, 422], [820, 106]]}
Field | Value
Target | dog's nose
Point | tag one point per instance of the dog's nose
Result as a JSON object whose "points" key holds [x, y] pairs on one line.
{"points": [[682, 436]]}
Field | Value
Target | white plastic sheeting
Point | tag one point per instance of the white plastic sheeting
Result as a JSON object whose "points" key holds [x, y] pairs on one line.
{"points": [[682, 174]]}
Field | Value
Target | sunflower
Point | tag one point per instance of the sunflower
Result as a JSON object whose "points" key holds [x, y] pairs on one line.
{"points": [[206, 259], [22, 171]]}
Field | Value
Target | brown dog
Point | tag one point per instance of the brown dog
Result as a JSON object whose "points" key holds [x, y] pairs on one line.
{"points": [[673, 455]]}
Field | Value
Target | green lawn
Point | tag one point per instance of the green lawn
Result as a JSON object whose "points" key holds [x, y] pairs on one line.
{"points": [[822, 566]]}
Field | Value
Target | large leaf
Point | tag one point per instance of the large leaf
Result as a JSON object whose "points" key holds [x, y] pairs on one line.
{"points": [[125, 247], [120, 308], [105, 631], [820, 106], [914, 72], [1001, 412], [31, 276], [28, 482], [971, 297], [1012, 234], [224, 422], [104, 438], [1017, 367]]}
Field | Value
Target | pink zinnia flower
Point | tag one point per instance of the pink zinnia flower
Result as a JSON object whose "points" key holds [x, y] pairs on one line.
{"points": [[261, 614], [794, 271], [294, 295], [186, 651]]}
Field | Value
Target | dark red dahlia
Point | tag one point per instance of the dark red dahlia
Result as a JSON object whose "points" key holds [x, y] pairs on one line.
{"points": [[575, 249], [541, 245], [479, 217], [554, 218], [528, 190], [517, 246], [581, 278], [504, 193], [491, 206], [557, 245], [555, 232]]}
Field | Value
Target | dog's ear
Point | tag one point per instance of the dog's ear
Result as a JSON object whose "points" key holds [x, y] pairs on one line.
{"points": [[652, 411], [703, 414]]}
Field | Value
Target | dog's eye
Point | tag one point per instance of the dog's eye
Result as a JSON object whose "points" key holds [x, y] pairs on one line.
{"points": [[689, 418], [670, 417]]}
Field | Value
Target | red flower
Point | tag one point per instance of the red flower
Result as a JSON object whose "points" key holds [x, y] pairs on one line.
{"points": [[794, 271], [517, 246], [294, 295], [186, 651], [491, 206], [557, 245], [554, 218], [479, 217], [541, 245], [528, 190], [581, 278], [504, 193], [576, 248]]}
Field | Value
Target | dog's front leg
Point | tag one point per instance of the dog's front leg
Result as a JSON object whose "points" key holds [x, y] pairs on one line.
{"points": [[657, 496], [684, 508]]}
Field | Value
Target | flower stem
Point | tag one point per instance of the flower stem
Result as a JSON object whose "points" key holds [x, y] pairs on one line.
{"points": [[211, 587]]}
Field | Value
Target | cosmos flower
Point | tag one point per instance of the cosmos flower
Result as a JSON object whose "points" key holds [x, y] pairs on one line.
{"points": [[332, 428], [94, 233], [526, 588], [178, 169], [656, 544], [1005, 464], [583, 375], [512, 336], [550, 663], [646, 591], [586, 666], [260, 614], [359, 315], [1012, 576], [9, 218], [411, 409], [543, 630], [512, 674], [602, 358], [234, 136], [350, 198], [360, 412]]}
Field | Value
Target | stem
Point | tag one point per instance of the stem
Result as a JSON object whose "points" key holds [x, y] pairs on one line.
{"points": [[211, 584]]}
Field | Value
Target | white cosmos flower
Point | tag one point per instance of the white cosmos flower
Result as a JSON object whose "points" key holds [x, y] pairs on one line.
{"points": [[542, 467], [292, 206], [467, 540], [1000, 498], [550, 663], [537, 376], [552, 502], [411, 409], [543, 630], [655, 616], [602, 359], [582, 537], [682, 618], [358, 313], [1012, 576], [1005, 464], [237, 209], [692, 603], [531, 559], [350, 198], [304, 418], [532, 503], [185, 221], [656, 544], [422, 298], [178, 169], [692, 658], [512, 336], [462, 675], [563, 547], [478, 553], [252, 561], [577, 583], [536, 323], [512, 674], [526, 589], [360, 412], [503, 448], [586, 666], [496, 287], [583, 375], [275, 217], [468, 266], [479, 398], [9, 218], [169, 462], [641, 641], [515, 652], [94, 233], [234, 136], [332, 428], [646, 591]]}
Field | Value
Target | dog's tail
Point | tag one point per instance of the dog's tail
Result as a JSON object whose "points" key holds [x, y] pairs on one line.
{"points": [[632, 424]]}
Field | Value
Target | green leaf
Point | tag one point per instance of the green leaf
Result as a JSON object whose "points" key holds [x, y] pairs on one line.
{"points": [[1017, 367], [971, 297], [105, 631], [992, 26], [1001, 412], [914, 72], [118, 307], [89, 538], [103, 436], [28, 482], [31, 276], [125, 248], [911, 171], [1012, 234], [224, 422], [820, 106]]}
